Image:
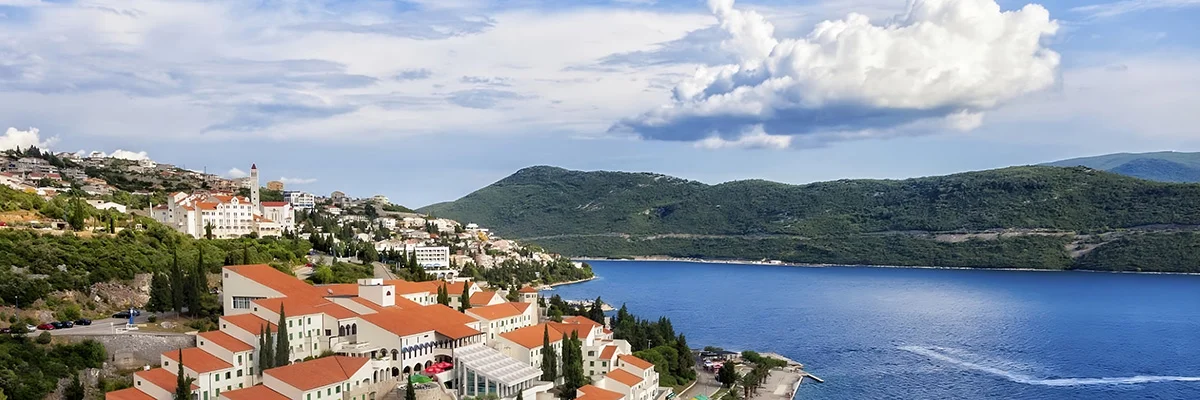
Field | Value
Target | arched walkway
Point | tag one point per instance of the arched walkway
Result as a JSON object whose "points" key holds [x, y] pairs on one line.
{"points": [[395, 372]]}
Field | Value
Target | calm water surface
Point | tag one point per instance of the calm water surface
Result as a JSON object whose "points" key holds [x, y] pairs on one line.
{"points": [[882, 333]]}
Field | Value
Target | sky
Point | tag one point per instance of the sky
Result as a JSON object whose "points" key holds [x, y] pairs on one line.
{"points": [[429, 100]]}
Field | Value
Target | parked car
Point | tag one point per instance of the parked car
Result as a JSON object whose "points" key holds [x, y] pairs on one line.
{"points": [[56, 325], [46, 327], [83, 321], [30, 328], [67, 324], [122, 315], [5, 330]]}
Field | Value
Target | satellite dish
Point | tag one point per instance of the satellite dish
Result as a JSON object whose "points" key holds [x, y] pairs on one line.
{"points": [[330, 291]]}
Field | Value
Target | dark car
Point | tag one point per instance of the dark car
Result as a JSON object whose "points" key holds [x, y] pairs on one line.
{"points": [[83, 321], [57, 325], [67, 324], [122, 314], [5, 330], [46, 327]]}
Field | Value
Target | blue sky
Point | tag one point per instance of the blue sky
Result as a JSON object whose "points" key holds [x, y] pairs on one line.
{"points": [[427, 100]]}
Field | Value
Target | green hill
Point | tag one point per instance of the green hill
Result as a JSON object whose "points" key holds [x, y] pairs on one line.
{"points": [[1164, 166], [1029, 217]]}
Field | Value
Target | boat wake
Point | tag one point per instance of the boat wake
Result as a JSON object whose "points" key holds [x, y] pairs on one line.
{"points": [[952, 356]]}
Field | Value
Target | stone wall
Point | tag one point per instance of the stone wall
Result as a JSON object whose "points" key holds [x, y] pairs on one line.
{"points": [[133, 351]]}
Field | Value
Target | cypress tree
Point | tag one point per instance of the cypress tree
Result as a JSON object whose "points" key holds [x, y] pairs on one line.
{"points": [[685, 360], [282, 348], [183, 384], [596, 313], [267, 358], [245, 254], [160, 294], [199, 285], [409, 392], [177, 281], [549, 359], [465, 299], [262, 349]]}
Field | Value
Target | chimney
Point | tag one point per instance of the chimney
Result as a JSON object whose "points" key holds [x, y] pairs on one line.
{"points": [[373, 290]]}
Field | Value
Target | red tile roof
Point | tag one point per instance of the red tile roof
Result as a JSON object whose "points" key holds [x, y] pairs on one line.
{"points": [[482, 298], [285, 284], [256, 392], [320, 372], [498, 311], [198, 360], [590, 392], [305, 305], [225, 341], [624, 377], [165, 380], [127, 394], [409, 321], [634, 361], [527, 289], [532, 337], [249, 323], [274, 203], [608, 352]]}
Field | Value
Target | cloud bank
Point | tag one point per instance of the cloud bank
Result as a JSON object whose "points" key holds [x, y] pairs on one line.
{"points": [[18, 139], [943, 60], [235, 173]]}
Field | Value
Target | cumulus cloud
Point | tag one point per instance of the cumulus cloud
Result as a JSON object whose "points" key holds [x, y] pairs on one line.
{"points": [[943, 60], [236, 173], [18, 139], [753, 138], [297, 181], [129, 155]]}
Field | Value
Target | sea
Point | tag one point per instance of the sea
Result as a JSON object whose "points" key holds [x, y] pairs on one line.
{"points": [[918, 333]]}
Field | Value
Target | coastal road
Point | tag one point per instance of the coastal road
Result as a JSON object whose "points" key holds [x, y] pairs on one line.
{"points": [[706, 384], [383, 271]]}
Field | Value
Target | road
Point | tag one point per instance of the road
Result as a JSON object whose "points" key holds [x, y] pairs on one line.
{"points": [[706, 384], [105, 326], [383, 271]]}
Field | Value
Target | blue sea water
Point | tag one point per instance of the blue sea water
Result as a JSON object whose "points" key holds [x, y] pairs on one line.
{"points": [[898, 333]]}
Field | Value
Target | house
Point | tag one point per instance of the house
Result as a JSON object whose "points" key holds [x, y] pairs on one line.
{"points": [[226, 216], [106, 205]]}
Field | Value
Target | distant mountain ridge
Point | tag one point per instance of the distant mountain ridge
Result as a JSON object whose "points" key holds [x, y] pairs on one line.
{"points": [[1163, 166], [1027, 217]]}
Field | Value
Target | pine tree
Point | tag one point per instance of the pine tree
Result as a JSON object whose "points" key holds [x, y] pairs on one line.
{"points": [[409, 392], [198, 287], [177, 281], [685, 360], [464, 303], [183, 384], [160, 294], [282, 347], [596, 313], [573, 376], [549, 359]]}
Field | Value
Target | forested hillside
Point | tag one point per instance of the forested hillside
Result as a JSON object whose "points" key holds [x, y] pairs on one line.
{"points": [[1027, 217]]}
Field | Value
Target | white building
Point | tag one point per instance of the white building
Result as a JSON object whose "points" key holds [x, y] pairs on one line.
{"points": [[106, 205], [300, 200], [227, 216], [380, 199]]}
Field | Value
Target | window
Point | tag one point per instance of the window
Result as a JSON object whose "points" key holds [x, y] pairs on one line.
{"points": [[314, 346], [339, 389], [289, 323], [309, 396], [228, 375], [217, 377], [310, 320], [318, 394], [239, 359], [591, 363], [251, 372], [239, 373]]}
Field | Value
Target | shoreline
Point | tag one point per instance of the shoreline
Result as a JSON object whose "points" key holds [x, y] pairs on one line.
{"points": [[811, 265], [548, 286]]}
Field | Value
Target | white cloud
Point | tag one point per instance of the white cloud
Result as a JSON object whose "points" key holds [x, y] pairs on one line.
{"points": [[129, 155], [942, 59], [326, 71], [1116, 8], [18, 139], [297, 181], [236, 173], [753, 138]]}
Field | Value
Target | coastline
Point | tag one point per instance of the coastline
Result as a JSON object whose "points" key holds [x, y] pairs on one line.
{"points": [[811, 265], [545, 286]]}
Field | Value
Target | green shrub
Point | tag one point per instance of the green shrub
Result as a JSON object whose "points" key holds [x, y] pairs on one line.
{"points": [[44, 338]]}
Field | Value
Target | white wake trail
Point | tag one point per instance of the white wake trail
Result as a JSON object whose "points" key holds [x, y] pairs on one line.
{"points": [[941, 355]]}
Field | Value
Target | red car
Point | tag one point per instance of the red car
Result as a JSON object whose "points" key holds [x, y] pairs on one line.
{"points": [[46, 327]]}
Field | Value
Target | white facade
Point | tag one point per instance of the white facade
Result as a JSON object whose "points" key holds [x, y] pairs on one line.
{"points": [[227, 216], [300, 200]]}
